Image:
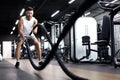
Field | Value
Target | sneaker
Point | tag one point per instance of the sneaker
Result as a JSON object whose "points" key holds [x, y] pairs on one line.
{"points": [[41, 62], [17, 64]]}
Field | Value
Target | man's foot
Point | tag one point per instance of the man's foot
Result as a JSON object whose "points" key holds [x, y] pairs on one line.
{"points": [[41, 62], [17, 64]]}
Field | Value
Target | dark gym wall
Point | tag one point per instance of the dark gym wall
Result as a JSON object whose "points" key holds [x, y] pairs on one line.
{"points": [[7, 37]]}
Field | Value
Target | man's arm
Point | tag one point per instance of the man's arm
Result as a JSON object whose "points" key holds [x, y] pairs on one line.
{"points": [[20, 28], [36, 29]]}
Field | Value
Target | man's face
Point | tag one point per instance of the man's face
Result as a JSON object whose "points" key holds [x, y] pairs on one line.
{"points": [[29, 14]]}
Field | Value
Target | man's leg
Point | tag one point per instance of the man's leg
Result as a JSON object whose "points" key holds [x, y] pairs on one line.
{"points": [[19, 43], [38, 48]]}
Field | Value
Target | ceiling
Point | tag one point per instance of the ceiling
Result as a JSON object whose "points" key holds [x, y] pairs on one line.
{"points": [[43, 10]]}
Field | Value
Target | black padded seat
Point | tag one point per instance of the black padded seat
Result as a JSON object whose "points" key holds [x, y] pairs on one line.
{"points": [[85, 40]]}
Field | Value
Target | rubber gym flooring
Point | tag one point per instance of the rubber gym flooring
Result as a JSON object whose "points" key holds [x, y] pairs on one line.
{"points": [[9, 72], [54, 72]]}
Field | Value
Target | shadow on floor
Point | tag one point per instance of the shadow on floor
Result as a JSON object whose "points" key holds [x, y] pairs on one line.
{"points": [[9, 72]]}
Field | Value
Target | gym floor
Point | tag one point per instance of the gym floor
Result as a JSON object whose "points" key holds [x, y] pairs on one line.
{"points": [[54, 72]]}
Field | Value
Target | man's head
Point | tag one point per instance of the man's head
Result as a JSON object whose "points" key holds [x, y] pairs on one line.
{"points": [[29, 12]]}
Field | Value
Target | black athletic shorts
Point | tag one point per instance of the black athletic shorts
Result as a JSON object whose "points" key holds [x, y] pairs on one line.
{"points": [[29, 38]]}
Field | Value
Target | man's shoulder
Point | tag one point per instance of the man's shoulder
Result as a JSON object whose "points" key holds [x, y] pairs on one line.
{"points": [[22, 17], [34, 19]]}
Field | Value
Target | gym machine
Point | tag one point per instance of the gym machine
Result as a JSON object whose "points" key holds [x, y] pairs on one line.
{"points": [[114, 9], [102, 43]]}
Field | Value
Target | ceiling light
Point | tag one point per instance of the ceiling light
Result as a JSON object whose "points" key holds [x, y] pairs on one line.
{"points": [[88, 13], [71, 1], [13, 28], [55, 13], [111, 2], [22, 11], [117, 16], [16, 22], [11, 32]]}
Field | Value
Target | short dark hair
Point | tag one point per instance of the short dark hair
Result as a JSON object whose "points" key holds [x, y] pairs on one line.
{"points": [[29, 9]]}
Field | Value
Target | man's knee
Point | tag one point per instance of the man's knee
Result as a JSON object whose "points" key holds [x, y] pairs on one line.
{"points": [[19, 43]]}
